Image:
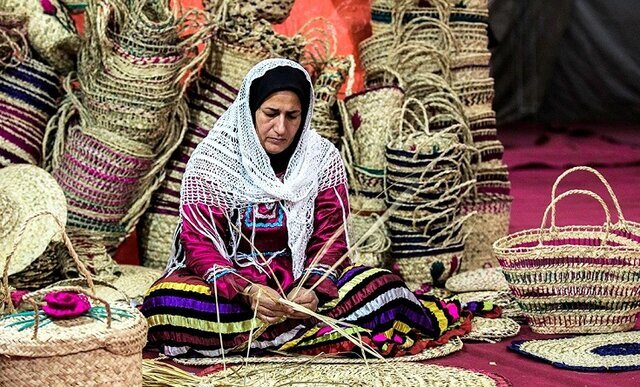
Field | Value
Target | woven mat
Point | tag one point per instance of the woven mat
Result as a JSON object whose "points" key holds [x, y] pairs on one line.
{"points": [[491, 329], [592, 353], [454, 345], [396, 374]]}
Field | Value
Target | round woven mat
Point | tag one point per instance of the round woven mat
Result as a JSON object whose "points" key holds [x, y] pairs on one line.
{"points": [[454, 345], [478, 280], [592, 353], [491, 329], [389, 374]]}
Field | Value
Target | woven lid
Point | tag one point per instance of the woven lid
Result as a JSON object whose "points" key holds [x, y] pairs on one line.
{"points": [[478, 280], [492, 329], [26, 190], [127, 334]]}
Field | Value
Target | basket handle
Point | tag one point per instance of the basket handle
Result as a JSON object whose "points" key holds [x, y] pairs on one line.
{"points": [[604, 181], [81, 268], [405, 109], [552, 205], [30, 299]]}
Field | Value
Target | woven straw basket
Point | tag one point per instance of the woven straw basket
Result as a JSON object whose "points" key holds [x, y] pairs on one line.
{"points": [[102, 346], [575, 279], [53, 35]]}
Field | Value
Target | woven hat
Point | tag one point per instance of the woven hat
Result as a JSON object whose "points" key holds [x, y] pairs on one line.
{"points": [[478, 280], [25, 191], [592, 353]]}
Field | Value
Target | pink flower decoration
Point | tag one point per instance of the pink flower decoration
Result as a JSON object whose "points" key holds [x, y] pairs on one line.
{"points": [[16, 297], [63, 305], [48, 8], [356, 121]]}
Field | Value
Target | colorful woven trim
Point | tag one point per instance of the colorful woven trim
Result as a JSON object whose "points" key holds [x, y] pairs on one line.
{"points": [[594, 353]]}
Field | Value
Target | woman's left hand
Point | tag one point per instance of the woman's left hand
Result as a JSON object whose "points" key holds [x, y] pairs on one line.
{"points": [[306, 298]]}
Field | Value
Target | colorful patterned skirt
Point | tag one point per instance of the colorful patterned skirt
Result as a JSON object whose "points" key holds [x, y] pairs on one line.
{"points": [[184, 318]]}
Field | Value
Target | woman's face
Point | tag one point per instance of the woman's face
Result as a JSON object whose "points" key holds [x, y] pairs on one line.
{"points": [[278, 120]]}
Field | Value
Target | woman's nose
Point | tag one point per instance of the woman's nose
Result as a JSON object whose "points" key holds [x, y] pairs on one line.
{"points": [[279, 127]]}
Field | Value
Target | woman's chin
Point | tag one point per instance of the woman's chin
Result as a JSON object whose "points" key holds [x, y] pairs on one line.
{"points": [[274, 149]]}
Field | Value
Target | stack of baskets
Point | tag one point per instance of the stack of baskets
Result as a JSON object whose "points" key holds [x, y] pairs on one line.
{"points": [[427, 175], [575, 279], [208, 98], [441, 46], [113, 136]]}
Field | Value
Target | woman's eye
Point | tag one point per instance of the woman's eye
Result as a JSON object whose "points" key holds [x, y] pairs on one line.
{"points": [[271, 114], [293, 116]]}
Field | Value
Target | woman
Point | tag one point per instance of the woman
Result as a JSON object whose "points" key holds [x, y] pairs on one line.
{"points": [[264, 206]]}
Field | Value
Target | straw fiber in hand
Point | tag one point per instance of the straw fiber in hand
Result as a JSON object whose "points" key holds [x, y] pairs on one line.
{"points": [[454, 345], [592, 353], [396, 374]]}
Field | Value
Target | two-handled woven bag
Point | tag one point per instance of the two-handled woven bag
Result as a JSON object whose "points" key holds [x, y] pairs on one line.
{"points": [[575, 279]]}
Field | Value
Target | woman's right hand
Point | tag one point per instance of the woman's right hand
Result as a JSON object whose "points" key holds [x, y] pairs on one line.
{"points": [[265, 300]]}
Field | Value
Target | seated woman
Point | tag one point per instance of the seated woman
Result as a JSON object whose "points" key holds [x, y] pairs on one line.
{"points": [[264, 207]]}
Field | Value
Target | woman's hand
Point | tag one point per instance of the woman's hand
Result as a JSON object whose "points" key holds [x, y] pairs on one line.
{"points": [[265, 300], [304, 297]]}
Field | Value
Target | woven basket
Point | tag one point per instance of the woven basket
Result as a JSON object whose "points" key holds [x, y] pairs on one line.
{"points": [[42, 272], [80, 351], [433, 266], [368, 124], [274, 11], [489, 223], [99, 347], [575, 279], [51, 32], [29, 96], [208, 99], [373, 252]]}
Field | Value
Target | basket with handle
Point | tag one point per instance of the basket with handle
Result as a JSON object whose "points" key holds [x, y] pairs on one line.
{"points": [[101, 346], [575, 279]]}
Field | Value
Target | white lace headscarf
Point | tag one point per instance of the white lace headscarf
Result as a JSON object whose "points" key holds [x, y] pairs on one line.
{"points": [[230, 170]]}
